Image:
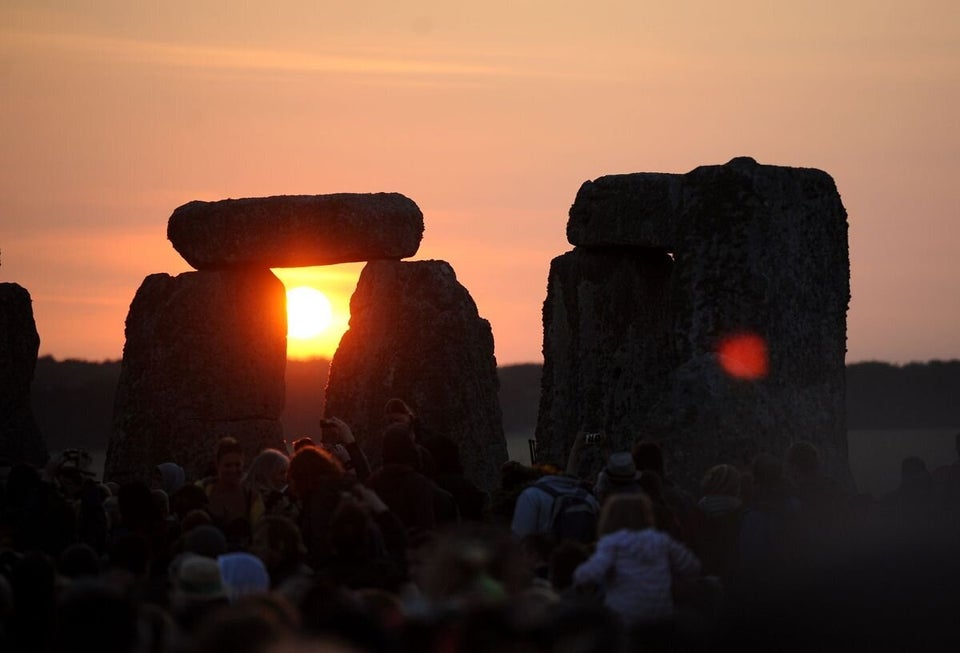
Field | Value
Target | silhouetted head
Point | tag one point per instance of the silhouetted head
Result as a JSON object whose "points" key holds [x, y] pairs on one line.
{"points": [[648, 456], [349, 527], [721, 480], [278, 542], [305, 441], [802, 459], [514, 475], [193, 519], [446, 454], [268, 471], [310, 468], [78, 561], [187, 499], [652, 484], [169, 477], [95, 617], [396, 411], [138, 509], [229, 461], [398, 448], [243, 574], [626, 511]]}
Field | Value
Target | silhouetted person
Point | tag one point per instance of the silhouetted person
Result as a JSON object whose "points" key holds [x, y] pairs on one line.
{"points": [[267, 477], [413, 497], [636, 563], [768, 528], [720, 512], [234, 508], [648, 456], [471, 501], [914, 505], [277, 541], [34, 603], [95, 617], [39, 516], [823, 510], [398, 412]]}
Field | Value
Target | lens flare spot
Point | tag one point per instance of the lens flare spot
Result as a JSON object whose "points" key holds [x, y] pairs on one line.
{"points": [[744, 356]]}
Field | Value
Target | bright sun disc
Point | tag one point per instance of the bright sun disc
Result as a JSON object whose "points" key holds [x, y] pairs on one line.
{"points": [[308, 312]]}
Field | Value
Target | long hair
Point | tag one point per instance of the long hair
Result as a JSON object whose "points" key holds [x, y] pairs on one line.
{"points": [[312, 468], [626, 511], [263, 469]]}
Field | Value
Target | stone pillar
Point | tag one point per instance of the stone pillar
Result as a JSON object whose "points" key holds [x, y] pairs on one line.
{"points": [[20, 438], [204, 358], [415, 334], [756, 249]]}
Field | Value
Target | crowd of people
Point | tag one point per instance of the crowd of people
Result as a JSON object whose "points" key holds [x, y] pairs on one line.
{"points": [[311, 549]]}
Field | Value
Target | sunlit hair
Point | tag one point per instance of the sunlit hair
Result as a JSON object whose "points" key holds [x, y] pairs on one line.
{"points": [[305, 441], [227, 446], [633, 512], [264, 469], [310, 468]]}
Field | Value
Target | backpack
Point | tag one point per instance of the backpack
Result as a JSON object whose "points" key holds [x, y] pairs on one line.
{"points": [[573, 515]]}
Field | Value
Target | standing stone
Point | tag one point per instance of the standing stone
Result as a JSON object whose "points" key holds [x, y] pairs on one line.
{"points": [[608, 322], [756, 249], [20, 439], [204, 358], [415, 334], [296, 230]]}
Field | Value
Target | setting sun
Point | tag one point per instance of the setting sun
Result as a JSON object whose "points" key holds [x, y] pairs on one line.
{"points": [[308, 313], [318, 307]]}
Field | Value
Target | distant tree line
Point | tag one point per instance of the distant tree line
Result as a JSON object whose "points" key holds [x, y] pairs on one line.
{"points": [[73, 400]]}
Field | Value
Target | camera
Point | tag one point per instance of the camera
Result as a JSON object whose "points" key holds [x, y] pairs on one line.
{"points": [[593, 438]]}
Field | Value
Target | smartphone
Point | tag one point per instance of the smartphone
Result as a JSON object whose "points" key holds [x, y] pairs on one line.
{"points": [[593, 438]]}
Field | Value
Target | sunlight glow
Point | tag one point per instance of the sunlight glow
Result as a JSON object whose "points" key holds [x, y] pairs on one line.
{"points": [[312, 335], [308, 313]]}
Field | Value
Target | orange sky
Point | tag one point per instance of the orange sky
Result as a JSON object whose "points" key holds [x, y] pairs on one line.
{"points": [[489, 117]]}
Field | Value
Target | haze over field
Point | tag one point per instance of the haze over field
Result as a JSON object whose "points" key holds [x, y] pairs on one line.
{"points": [[489, 117]]}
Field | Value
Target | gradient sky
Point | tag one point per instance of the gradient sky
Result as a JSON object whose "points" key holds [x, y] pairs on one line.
{"points": [[114, 113]]}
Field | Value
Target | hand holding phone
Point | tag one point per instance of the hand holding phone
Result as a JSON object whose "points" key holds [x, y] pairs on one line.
{"points": [[594, 438]]}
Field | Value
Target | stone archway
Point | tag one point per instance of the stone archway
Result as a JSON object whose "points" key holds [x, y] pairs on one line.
{"points": [[205, 351]]}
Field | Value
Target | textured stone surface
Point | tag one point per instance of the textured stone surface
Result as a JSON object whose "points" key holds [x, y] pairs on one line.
{"points": [[415, 334], [607, 332], [20, 439], [204, 358], [639, 209], [759, 249], [296, 230]]}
